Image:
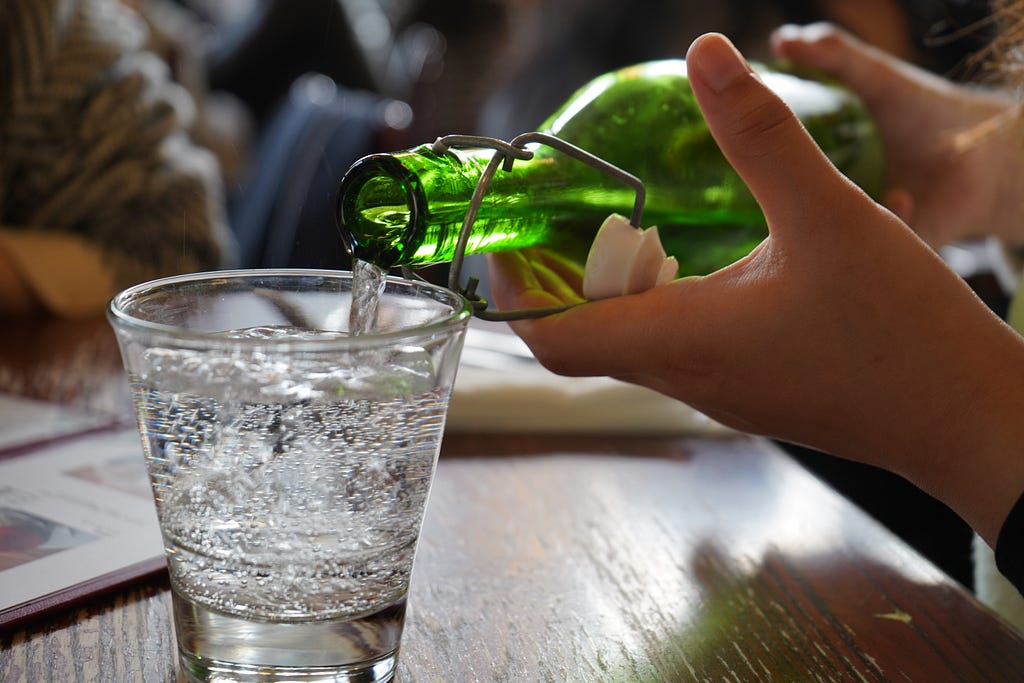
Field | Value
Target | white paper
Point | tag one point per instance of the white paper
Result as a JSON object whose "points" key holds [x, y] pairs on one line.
{"points": [[500, 387], [73, 512], [24, 422]]}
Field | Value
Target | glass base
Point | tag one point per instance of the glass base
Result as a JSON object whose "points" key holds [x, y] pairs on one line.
{"points": [[221, 648], [211, 671]]}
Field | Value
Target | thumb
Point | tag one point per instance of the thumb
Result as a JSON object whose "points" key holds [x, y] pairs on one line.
{"points": [[760, 136]]}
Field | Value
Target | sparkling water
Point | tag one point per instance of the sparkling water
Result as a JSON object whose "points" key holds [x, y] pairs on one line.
{"points": [[289, 491], [368, 282]]}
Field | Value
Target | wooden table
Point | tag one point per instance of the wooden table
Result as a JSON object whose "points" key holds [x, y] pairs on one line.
{"points": [[583, 559]]}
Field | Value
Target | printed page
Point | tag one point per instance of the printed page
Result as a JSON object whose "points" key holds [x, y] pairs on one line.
{"points": [[72, 512]]}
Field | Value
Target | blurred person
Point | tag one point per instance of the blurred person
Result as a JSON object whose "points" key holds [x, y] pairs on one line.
{"points": [[100, 185], [318, 92], [222, 123], [259, 55]]}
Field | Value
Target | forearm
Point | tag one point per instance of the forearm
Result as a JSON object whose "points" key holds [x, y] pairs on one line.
{"points": [[1002, 151]]}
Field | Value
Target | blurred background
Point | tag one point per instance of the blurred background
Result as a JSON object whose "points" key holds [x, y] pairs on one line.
{"points": [[298, 90], [290, 93]]}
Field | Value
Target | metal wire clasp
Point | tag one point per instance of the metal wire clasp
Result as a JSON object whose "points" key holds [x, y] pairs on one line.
{"points": [[506, 153]]}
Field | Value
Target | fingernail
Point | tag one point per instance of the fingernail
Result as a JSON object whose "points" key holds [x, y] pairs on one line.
{"points": [[718, 62], [807, 33], [788, 32]]}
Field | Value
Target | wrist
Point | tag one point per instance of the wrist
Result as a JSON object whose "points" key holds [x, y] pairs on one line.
{"points": [[978, 468], [998, 144]]}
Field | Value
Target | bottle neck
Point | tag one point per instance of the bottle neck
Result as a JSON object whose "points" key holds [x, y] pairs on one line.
{"points": [[379, 207], [408, 207]]}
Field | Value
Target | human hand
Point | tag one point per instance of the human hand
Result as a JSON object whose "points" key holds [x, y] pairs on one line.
{"points": [[953, 152], [842, 330]]}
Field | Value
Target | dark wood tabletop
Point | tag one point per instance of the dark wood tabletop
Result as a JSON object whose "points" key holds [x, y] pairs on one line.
{"points": [[580, 558]]}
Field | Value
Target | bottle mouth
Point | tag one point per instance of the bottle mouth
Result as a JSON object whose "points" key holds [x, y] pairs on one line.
{"points": [[377, 209]]}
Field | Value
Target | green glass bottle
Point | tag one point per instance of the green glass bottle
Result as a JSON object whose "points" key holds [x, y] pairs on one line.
{"points": [[407, 207]]}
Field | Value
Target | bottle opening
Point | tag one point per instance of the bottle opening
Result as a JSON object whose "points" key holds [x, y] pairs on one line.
{"points": [[376, 210]]}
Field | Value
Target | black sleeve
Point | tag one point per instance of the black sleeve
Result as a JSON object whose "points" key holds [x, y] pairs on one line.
{"points": [[1010, 546]]}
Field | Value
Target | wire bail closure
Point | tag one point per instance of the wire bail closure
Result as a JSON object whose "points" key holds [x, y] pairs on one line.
{"points": [[506, 153]]}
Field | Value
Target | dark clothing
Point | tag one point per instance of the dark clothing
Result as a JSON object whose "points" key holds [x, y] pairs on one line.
{"points": [[1010, 546]]}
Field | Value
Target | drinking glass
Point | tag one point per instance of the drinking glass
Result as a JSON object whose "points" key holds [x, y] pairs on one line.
{"points": [[290, 461]]}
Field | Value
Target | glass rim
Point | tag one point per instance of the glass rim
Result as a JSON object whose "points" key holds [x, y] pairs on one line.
{"points": [[121, 319]]}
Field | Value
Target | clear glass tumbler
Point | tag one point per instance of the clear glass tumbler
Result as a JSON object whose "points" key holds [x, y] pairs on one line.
{"points": [[290, 461]]}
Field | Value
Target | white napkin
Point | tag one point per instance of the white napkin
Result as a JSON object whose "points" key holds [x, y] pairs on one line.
{"points": [[500, 387]]}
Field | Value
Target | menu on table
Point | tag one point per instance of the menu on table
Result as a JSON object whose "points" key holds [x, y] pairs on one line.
{"points": [[76, 512]]}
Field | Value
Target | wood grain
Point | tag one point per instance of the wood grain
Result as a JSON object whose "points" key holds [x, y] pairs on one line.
{"points": [[591, 559], [685, 561], [715, 560]]}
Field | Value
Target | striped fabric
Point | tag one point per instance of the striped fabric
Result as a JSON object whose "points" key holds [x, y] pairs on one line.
{"points": [[93, 142]]}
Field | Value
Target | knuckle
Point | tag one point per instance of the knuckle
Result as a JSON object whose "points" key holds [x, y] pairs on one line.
{"points": [[762, 129]]}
